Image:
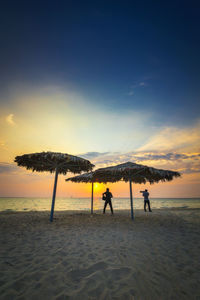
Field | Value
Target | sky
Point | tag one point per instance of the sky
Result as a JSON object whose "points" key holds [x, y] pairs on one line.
{"points": [[110, 81]]}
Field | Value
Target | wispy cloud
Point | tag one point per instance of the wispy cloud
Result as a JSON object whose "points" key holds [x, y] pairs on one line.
{"points": [[166, 156], [8, 168], [137, 85], [190, 170], [9, 119], [13, 170], [183, 162], [172, 138], [171, 148], [131, 93], [91, 155], [143, 84]]}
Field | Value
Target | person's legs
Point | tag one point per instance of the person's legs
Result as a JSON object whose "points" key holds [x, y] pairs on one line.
{"points": [[104, 209], [145, 205], [111, 208], [148, 202]]}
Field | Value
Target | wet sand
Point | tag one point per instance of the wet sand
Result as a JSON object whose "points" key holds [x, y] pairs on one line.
{"points": [[80, 256]]}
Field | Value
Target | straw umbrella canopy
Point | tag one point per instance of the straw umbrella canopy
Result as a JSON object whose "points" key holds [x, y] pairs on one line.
{"points": [[60, 163], [128, 171]]}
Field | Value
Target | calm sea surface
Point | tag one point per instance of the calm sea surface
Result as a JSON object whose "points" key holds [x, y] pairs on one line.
{"points": [[42, 204]]}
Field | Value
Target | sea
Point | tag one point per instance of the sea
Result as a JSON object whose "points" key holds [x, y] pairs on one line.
{"points": [[84, 204]]}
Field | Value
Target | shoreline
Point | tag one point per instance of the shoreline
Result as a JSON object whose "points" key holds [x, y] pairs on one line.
{"points": [[87, 212]]}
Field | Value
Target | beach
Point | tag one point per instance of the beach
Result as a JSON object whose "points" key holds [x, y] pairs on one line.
{"points": [[83, 256]]}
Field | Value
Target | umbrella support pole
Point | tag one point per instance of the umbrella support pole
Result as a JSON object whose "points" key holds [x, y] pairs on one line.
{"points": [[92, 198], [54, 195], [131, 199]]}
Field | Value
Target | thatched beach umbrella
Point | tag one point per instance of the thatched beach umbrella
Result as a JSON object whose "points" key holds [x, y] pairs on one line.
{"points": [[129, 171], [60, 163]]}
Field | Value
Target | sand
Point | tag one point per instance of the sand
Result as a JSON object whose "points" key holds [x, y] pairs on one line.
{"points": [[79, 256]]}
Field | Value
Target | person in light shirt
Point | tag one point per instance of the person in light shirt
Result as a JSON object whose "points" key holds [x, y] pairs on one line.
{"points": [[145, 194]]}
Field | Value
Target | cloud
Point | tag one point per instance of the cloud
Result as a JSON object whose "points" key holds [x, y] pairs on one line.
{"points": [[131, 93], [14, 171], [90, 155], [136, 85], [167, 156], [8, 168], [9, 119], [172, 138], [183, 162], [139, 84], [190, 170], [142, 156]]}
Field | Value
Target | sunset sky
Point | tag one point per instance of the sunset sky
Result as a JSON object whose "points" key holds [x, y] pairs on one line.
{"points": [[110, 81]]}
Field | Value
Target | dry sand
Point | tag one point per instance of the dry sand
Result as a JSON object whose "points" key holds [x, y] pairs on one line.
{"points": [[79, 256]]}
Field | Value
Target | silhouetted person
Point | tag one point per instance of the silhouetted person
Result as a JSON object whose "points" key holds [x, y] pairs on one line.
{"points": [[107, 197], [145, 194]]}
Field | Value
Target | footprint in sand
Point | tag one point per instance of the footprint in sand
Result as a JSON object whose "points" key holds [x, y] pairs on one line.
{"points": [[118, 273], [79, 274]]}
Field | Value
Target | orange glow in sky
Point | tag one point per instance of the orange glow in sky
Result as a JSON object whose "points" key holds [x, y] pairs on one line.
{"points": [[31, 127]]}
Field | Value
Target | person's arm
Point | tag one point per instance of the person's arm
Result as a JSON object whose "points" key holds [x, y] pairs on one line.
{"points": [[111, 195]]}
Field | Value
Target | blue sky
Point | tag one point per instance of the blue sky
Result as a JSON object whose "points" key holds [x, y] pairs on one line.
{"points": [[123, 54], [109, 80]]}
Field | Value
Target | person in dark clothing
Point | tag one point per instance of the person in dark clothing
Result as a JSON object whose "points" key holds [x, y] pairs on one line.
{"points": [[107, 196], [145, 194]]}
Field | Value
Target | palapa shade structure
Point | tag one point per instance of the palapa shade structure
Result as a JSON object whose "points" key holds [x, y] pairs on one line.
{"points": [[129, 171], [60, 163]]}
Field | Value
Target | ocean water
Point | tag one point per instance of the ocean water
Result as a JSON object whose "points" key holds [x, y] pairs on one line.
{"points": [[44, 204]]}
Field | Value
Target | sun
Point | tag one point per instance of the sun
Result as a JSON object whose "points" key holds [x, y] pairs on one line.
{"points": [[97, 186]]}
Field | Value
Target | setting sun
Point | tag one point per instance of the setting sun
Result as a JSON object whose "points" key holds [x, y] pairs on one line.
{"points": [[97, 186]]}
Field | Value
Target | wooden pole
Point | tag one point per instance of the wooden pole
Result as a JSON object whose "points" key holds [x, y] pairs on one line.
{"points": [[131, 199], [54, 195], [92, 198]]}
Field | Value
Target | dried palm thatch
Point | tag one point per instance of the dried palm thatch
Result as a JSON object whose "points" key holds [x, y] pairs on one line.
{"points": [[60, 163], [135, 172], [86, 177], [129, 171], [50, 161]]}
